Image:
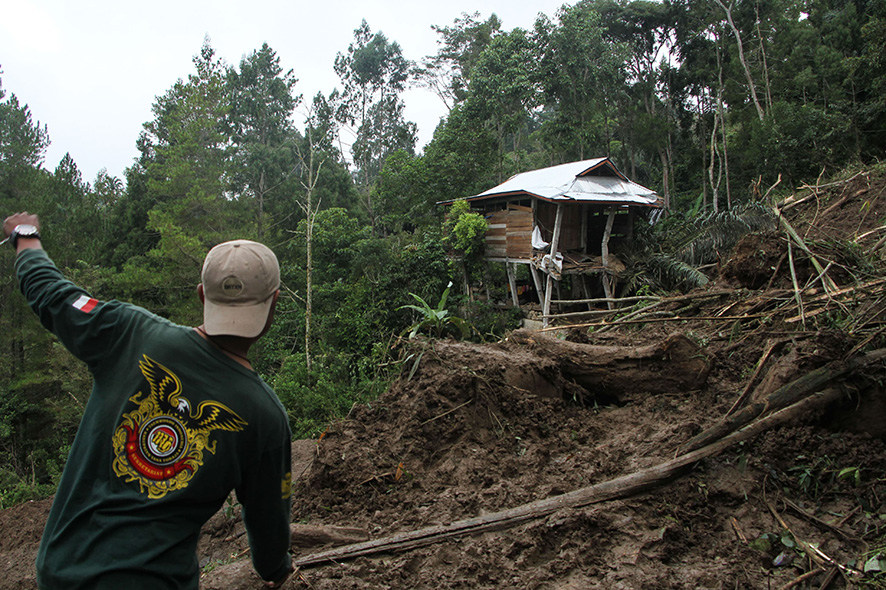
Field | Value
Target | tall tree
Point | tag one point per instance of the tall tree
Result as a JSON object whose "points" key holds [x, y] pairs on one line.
{"points": [[23, 141], [187, 148], [262, 105], [462, 158], [311, 162], [645, 30], [185, 158], [739, 44], [503, 91], [383, 131], [73, 206], [374, 74], [448, 73], [871, 67], [581, 76], [698, 49]]}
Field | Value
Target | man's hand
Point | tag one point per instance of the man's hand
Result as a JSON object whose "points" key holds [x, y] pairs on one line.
{"points": [[11, 222], [18, 219]]}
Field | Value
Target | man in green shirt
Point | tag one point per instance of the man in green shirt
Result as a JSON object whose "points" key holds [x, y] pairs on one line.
{"points": [[175, 421]]}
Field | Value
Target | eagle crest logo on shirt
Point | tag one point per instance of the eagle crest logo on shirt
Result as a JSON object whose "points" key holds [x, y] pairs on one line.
{"points": [[160, 444]]}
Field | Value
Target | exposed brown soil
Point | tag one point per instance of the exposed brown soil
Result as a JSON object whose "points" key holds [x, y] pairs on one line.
{"points": [[481, 428]]}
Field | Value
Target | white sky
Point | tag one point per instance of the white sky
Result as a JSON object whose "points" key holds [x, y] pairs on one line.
{"points": [[91, 69]]}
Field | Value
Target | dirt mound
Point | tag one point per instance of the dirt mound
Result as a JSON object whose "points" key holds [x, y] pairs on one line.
{"points": [[472, 430]]}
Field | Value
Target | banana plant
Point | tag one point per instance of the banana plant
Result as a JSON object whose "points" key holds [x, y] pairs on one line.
{"points": [[437, 320]]}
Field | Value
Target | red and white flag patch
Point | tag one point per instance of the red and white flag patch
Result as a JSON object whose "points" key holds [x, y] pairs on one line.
{"points": [[85, 303]]}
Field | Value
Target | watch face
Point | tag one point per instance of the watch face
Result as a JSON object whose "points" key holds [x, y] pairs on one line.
{"points": [[25, 230]]}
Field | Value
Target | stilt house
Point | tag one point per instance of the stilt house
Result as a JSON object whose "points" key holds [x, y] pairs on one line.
{"points": [[562, 220]]}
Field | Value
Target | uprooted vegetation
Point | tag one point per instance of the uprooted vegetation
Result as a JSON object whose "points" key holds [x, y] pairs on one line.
{"points": [[731, 437]]}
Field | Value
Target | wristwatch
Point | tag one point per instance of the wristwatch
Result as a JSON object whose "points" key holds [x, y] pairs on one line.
{"points": [[23, 230]]}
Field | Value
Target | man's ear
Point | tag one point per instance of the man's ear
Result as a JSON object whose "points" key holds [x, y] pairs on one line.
{"points": [[273, 308], [200, 293], [271, 311]]}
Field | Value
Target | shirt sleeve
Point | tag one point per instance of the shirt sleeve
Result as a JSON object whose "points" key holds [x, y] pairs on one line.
{"points": [[265, 498], [84, 325]]}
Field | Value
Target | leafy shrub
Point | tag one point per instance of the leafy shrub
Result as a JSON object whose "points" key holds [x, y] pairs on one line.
{"points": [[328, 393]]}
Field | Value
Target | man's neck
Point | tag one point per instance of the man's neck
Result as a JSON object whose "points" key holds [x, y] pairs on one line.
{"points": [[234, 347]]}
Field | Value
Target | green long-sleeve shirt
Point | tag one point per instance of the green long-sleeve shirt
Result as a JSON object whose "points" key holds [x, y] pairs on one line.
{"points": [[171, 427]]}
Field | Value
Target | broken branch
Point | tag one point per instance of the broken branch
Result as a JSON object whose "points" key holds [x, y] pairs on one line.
{"points": [[770, 346]]}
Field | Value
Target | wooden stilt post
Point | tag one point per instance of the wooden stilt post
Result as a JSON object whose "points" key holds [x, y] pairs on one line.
{"points": [[607, 286], [558, 222], [546, 309], [512, 282], [586, 292], [539, 289]]}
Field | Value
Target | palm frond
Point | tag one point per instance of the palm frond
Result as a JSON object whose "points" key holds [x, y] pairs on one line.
{"points": [[703, 239], [676, 273]]}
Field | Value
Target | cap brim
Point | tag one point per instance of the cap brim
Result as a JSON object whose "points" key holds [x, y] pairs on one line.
{"points": [[246, 321]]}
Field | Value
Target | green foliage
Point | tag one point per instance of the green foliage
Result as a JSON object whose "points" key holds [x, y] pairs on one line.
{"points": [[38, 418], [448, 73], [676, 274], [465, 230], [400, 195], [23, 142], [437, 321], [667, 257], [502, 93], [581, 75], [874, 567], [14, 490], [462, 158], [487, 321], [313, 401], [705, 238], [374, 73], [795, 141], [816, 475]]}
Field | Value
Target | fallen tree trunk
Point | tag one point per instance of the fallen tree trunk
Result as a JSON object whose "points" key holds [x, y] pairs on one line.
{"points": [[782, 397], [619, 487], [674, 364]]}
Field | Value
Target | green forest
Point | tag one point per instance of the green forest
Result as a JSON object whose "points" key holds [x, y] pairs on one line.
{"points": [[717, 105]]}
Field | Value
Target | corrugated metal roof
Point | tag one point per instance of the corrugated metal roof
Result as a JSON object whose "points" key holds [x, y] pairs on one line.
{"points": [[576, 181]]}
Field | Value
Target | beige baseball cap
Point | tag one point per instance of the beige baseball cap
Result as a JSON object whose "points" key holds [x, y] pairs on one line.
{"points": [[239, 281]]}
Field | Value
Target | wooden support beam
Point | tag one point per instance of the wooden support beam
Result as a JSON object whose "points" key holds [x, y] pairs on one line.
{"points": [[585, 290], [607, 286], [610, 219], [512, 282], [546, 307], [558, 223], [539, 289]]}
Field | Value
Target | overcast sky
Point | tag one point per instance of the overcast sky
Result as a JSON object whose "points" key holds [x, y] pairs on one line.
{"points": [[91, 69]]}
